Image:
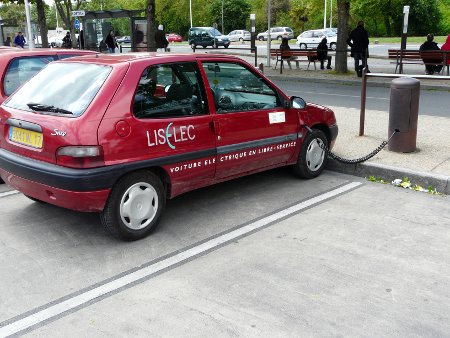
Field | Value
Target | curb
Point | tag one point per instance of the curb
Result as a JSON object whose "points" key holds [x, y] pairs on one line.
{"points": [[425, 179]]}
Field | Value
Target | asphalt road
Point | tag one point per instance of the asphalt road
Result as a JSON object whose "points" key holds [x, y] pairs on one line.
{"points": [[431, 102], [267, 255]]}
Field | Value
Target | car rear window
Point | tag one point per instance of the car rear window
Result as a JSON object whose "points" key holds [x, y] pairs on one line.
{"points": [[67, 87]]}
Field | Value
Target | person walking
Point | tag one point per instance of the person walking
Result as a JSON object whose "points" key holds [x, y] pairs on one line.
{"points": [[19, 40], [358, 41], [322, 54], [161, 40], [111, 42], [67, 41], [431, 65], [8, 41]]}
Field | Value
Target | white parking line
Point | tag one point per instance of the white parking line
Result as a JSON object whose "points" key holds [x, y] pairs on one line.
{"points": [[144, 273], [8, 193]]}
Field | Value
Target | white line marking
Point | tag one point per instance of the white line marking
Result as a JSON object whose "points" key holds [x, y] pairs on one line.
{"points": [[8, 193], [99, 291]]}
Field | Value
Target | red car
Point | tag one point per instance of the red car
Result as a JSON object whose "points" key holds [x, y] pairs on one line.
{"points": [[173, 37], [18, 65], [120, 134]]}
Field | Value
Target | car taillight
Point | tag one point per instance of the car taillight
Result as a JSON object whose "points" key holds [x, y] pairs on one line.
{"points": [[80, 156]]}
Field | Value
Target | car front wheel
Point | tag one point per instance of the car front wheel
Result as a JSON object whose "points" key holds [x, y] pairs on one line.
{"points": [[134, 206], [312, 158], [303, 46], [332, 46], [261, 38]]}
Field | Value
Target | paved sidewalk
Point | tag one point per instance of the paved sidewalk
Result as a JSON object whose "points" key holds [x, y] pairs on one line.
{"points": [[429, 165]]}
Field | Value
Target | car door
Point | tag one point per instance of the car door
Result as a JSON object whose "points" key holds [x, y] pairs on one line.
{"points": [[253, 129], [169, 124], [317, 38]]}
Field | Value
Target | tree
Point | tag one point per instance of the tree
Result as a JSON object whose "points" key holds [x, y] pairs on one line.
{"points": [[65, 8], [236, 14], [341, 46], [40, 9], [151, 29]]}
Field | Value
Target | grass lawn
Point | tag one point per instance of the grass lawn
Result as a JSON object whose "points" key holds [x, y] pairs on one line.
{"points": [[411, 39]]}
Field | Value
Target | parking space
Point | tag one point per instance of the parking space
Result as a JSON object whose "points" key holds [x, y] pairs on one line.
{"points": [[351, 264]]}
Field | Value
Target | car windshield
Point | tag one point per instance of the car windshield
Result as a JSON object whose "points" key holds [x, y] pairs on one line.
{"points": [[65, 87]]}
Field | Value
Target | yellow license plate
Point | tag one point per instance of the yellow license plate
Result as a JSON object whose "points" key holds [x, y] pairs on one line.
{"points": [[24, 136]]}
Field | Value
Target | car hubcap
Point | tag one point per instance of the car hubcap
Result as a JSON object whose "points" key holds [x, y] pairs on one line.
{"points": [[315, 155], [138, 206]]}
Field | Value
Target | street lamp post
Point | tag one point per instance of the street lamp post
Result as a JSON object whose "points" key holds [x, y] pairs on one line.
{"points": [[269, 38], [223, 29], [30, 32], [331, 13], [325, 15], [190, 11]]}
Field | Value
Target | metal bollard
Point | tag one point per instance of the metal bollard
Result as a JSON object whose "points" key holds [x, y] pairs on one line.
{"points": [[403, 114]]}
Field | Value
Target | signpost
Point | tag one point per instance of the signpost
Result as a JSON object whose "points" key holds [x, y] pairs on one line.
{"points": [[404, 35], [78, 13], [77, 24]]}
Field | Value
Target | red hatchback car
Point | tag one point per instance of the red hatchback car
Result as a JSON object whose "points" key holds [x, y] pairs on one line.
{"points": [[18, 65], [120, 134]]}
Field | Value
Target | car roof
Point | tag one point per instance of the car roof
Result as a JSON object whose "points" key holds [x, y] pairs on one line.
{"points": [[111, 59], [8, 51]]}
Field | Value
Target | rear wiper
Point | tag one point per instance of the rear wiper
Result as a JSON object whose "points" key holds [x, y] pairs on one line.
{"points": [[52, 109]]}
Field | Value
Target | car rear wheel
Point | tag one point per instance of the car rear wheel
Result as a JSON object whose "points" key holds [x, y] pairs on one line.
{"points": [[312, 158], [134, 206], [303, 46], [261, 38], [332, 46], [279, 38], [226, 46], [241, 39]]}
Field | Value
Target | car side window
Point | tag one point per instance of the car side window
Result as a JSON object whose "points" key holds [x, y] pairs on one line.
{"points": [[170, 90], [237, 89], [21, 69]]}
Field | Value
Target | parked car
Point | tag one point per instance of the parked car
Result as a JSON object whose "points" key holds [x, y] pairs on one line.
{"points": [[239, 35], [123, 39], [126, 133], [18, 65], [277, 33], [174, 37], [55, 41], [312, 38], [207, 36]]}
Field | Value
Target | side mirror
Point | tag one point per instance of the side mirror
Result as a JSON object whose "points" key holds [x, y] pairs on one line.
{"points": [[297, 102]]}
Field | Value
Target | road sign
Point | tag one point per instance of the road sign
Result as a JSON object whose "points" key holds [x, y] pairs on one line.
{"points": [[77, 24], [78, 13]]}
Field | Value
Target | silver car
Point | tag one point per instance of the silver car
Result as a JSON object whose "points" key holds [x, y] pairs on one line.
{"points": [[277, 33], [239, 35], [311, 39]]}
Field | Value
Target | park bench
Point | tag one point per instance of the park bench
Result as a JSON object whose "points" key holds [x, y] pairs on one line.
{"points": [[408, 56], [294, 55]]}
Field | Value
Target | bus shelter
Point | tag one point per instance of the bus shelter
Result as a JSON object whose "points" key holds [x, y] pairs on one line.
{"points": [[97, 24]]}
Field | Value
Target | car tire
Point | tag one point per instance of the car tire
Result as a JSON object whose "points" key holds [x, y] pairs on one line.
{"points": [[241, 40], [226, 46], [303, 46], [204, 46], [279, 38], [134, 207], [312, 158], [332, 46], [261, 38]]}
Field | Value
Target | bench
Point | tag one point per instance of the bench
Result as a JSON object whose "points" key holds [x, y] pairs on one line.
{"points": [[294, 55], [408, 56]]}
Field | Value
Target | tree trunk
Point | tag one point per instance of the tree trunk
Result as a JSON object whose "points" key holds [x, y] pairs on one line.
{"points": [[387, 23], [150, 14], [42, 22], [343, 8]]}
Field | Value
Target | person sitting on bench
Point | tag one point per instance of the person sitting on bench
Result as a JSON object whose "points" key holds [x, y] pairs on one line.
{"points": [[430, 45], [322, 54], [286, 54]]}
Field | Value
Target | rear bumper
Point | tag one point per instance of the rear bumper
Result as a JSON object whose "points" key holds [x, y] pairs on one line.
{"points": [[90, 201]]}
